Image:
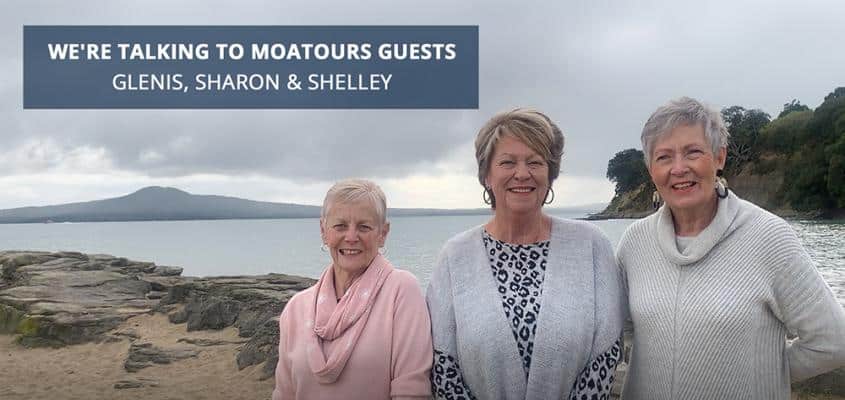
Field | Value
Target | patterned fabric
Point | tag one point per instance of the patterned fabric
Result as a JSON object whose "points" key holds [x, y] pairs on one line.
{"points": [[583, 305], [596, 380], [519, 271], [447, 382]]}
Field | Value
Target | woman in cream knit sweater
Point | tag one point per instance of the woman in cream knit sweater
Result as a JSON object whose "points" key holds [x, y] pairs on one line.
{"points": [[717, 284]]}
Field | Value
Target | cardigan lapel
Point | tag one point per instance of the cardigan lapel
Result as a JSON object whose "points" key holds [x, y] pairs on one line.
{"points": [[567, 319], [478, 300]]}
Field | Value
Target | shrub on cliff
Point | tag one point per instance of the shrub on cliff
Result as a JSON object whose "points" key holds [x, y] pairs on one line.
{"points": [[627, 169]]}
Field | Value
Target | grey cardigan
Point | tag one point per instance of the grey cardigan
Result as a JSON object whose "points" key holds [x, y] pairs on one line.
{"points": [[581, 316]]}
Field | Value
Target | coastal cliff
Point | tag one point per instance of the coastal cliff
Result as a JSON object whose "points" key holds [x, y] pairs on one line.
{"points": [[761, 183]]}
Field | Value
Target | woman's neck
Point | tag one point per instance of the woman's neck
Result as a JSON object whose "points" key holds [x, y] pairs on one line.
{"points": [[520, 229], [343, 280], [694, 221]]}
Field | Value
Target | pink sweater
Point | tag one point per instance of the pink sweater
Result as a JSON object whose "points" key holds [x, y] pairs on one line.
{"points": [[391, 360]]}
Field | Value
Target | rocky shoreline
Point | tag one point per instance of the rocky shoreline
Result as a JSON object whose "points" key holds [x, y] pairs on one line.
{"points": [[63, 299], [69, 298]]}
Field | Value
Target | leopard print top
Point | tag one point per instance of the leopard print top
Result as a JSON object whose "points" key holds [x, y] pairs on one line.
{"points": [[519, 270]]}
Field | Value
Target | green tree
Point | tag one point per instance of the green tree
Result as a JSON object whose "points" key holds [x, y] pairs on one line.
{"points": [[744, 127], [792, 106], [783, 135], [627, 169], [816, 175]]}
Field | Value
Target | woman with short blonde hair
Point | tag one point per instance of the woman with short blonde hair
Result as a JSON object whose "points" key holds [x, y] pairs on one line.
{"points": [[362, 331], [526, 306]]}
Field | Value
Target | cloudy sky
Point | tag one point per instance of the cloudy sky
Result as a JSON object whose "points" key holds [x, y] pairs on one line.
{"points": [[597, 68]]}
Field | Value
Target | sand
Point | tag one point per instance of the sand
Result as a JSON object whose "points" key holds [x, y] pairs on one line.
{"points": [[90, 371]]}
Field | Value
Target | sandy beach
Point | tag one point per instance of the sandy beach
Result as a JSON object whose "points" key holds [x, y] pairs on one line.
{"points": [[90, 371]]}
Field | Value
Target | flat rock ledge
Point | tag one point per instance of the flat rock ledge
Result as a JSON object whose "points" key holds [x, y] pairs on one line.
{"points": [[64, 298], [143, 355]]}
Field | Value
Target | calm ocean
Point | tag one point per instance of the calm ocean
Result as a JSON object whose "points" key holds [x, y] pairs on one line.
{"points": [[292, 246]]}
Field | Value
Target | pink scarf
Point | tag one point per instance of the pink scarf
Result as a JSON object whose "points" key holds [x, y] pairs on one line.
{"points": [[351, 314]]}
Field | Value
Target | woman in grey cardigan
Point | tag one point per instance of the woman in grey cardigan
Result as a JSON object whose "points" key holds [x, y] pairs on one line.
{"points": [[527, 306], [716, 283]]}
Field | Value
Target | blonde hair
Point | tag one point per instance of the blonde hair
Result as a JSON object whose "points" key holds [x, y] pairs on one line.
{"points": [[529, 126], [353, 190]]}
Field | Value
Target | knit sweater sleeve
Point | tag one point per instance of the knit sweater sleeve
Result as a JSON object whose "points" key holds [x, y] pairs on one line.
{"points": [[446, 377], [809, 310]]}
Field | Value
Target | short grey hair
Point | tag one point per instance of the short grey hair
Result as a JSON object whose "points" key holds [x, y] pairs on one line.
{"points": [[353, 190], [684, 111], [529, 126]]}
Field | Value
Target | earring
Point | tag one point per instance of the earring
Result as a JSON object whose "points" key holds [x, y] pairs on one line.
{"points": [[721, 187], [486, 196], [547, 200], [655, 200], [324, 248], [382, 250]]}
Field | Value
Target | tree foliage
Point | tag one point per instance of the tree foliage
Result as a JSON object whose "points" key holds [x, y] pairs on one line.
{"points": [[744, 127], [785, 134], [792, 106], [815, 177], [627, 169]]}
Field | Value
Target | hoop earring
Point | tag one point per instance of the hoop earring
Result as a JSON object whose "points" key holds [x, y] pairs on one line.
{"points": [[324, 248], [546, 200], [487, 197], [721, 189], [382, 250]]}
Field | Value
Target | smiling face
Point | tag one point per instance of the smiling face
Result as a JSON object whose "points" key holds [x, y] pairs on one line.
{"points": [[683, 168], [353, 233], [518, 176]]}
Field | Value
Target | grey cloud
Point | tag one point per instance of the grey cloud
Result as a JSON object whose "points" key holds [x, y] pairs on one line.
{"points": [[597, 69]]}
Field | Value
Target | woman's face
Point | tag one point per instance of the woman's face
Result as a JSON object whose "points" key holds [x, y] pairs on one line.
{"points": [[683, 168], [353, 233], [518, 176]]}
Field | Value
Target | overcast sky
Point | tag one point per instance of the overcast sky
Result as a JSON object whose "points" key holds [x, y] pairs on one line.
{"points": [[598, 68]]}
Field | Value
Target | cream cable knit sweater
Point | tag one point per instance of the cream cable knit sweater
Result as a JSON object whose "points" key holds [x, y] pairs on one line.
{"points": [[711, 322]]}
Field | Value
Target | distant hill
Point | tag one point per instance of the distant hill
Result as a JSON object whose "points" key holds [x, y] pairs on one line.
{"points": [[157, 203]]}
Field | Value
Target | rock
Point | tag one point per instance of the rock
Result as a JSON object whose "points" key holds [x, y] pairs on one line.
{"points": [[211, 313], [261, 347], [129, 333], [209, 342], [57, 299], [127, 384], [135, 383], [143, 355], [119, 262], [10, 318], [54, 299], [179, 316], [251, 304], [832, 382], [155, 295], [167, 271]]}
